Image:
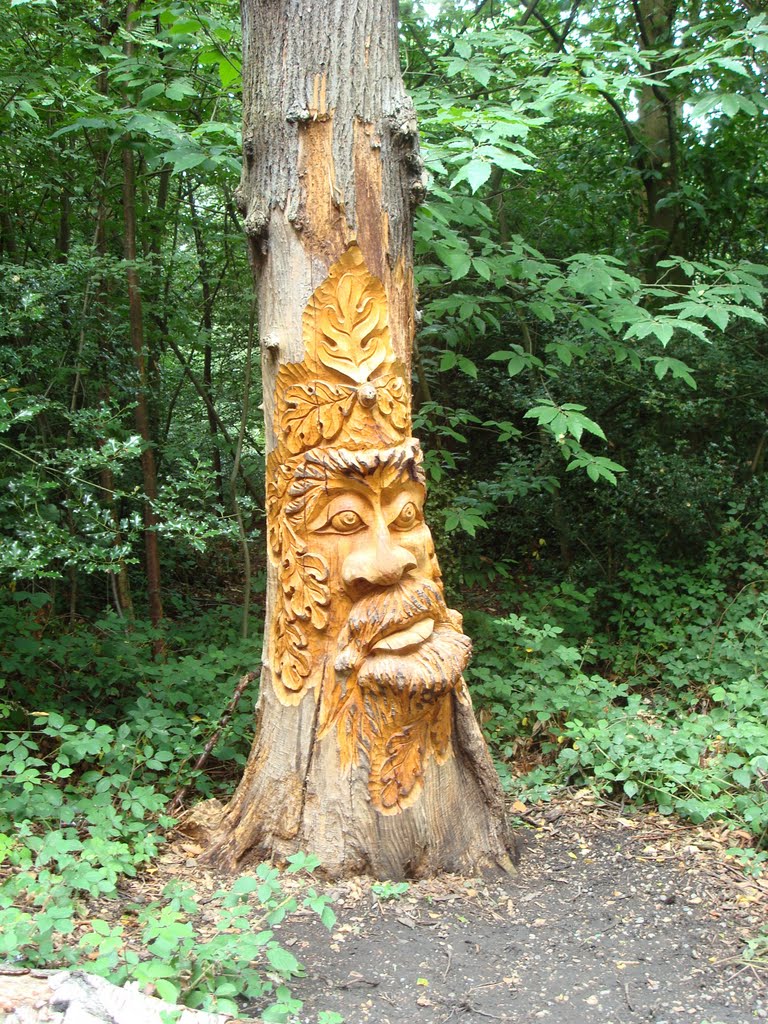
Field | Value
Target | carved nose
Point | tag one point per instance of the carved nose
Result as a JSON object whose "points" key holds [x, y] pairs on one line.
{"points": [[379, 566]]}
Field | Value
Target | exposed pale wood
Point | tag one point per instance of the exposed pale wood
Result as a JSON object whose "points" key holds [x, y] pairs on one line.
{"points": [[75, 997]]}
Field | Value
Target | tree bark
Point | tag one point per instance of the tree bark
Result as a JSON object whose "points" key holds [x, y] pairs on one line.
{"points": [[141, 412], [657, 130], [120, 583], [205, 284], [367, 752]]}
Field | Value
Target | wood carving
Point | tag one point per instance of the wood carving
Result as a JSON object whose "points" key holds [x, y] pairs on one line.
{"points": [[362, 621], [366, 750]]}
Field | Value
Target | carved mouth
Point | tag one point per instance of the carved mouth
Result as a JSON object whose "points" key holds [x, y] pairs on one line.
{"points": [[404, 639]]}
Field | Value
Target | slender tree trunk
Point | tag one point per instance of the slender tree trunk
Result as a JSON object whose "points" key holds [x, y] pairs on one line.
{"points": [[120, 583], [247, 577], [64, 233], [211, 409], [157, 338], [367, 751], [205, 283], [141, 413], [7, 234], [657, 130]]}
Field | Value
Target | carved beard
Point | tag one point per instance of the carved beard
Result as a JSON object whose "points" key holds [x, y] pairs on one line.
{"points": [[430, 668]]}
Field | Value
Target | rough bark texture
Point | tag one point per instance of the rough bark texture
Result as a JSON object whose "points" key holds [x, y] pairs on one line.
{"points": [[331, 175], [657, 129]]}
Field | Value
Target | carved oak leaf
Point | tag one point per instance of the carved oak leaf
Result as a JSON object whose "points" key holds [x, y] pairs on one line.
{"points": [[397, 755], [274, 530], [343, 704], [304, 581], [312, 413], [439, 729], [345, 324], [279, 477], [401, 769], [292, 658], [392, 400], [398, 759]]}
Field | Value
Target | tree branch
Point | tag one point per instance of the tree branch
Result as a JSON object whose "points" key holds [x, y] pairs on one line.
{"points": [[178, 798], [532, 5], [214, 414], [612, 103]]}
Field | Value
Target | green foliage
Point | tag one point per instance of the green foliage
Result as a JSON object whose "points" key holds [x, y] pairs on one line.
{"points": [[571, 335], [591, 300], [82, 798], [390, 890], [228, 964], [82, 805], [667, 705], [236, 957], [756, 951], [83, 88]]}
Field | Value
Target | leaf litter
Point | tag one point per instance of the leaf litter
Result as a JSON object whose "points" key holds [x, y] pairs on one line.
{"points": [[615, 917]]}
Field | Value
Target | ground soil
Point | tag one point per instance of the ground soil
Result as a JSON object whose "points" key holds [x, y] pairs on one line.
{"points": [[615, 917], [611, 920]]}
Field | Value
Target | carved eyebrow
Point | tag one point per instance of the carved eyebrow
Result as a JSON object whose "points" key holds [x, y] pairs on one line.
{"points": [[316, 490], [406, 486], [352, 482]]}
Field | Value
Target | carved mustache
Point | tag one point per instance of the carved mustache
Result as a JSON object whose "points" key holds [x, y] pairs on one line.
{"points": [[433, 669], [381, 614]]}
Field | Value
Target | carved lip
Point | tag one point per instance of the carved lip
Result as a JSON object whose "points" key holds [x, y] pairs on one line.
{"points": [[414, 634]]}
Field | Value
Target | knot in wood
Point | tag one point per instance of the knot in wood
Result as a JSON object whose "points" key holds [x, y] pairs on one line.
{"points": [[366, 396]]}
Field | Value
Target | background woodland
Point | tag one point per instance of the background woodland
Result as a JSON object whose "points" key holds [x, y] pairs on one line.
{"points": [[590, 386]]}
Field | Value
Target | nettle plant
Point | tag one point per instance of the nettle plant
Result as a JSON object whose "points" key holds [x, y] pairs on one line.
{"points": [[67, 830], [56, 870], [82, 806]]}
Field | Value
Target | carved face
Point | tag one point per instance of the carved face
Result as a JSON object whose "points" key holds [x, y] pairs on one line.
{"points": [[370, 528], [359, 619], [388, 618], [376, 638]]}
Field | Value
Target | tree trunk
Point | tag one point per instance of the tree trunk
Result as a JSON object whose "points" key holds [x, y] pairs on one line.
{"points": [[205, 284], [367, 752], [657, 130], [141, 411], [120, 583]]}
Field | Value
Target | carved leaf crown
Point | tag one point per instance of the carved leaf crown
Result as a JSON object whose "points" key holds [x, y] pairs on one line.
{"points": [[349, 391]]}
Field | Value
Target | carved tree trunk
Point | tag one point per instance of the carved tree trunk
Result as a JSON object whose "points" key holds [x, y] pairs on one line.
{"points": [[367, 752]]}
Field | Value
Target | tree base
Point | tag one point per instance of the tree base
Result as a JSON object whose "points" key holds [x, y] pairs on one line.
{"points": [[456, 826]]}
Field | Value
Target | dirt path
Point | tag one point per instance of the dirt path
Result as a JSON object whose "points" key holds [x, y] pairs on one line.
{"points": [[611, 920]]}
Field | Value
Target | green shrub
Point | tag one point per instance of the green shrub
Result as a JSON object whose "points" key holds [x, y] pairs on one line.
{"points": [[95, 738], [666, 702]]}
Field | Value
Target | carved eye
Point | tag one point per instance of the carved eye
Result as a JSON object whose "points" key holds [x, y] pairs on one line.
{"points": [[346, 521], [409, 517]]}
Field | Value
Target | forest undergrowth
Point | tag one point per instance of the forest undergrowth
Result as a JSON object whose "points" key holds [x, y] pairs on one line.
{"points": [[649, 690]]}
